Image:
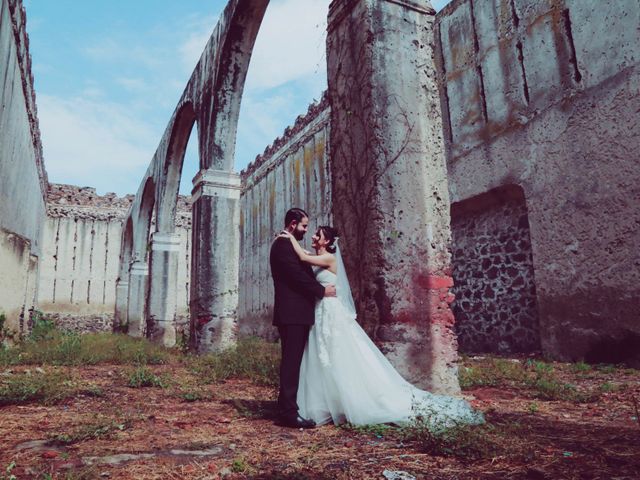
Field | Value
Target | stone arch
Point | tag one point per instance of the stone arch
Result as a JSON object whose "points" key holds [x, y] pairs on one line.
{"points": [[185, 119], [122, 283], [140, 216], [211, 100], [143, 218]]}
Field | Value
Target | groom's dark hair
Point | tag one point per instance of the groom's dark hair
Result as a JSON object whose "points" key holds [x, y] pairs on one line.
{"points": [[294, 214]]}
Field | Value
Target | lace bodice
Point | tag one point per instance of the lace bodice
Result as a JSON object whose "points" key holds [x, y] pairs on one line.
{"points": [[324, 276]]}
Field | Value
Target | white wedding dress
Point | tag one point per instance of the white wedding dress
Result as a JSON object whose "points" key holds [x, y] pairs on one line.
{"points": [[345, 378]]}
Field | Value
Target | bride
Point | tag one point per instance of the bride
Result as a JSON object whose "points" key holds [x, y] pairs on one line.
{"points": [[344, 377]]}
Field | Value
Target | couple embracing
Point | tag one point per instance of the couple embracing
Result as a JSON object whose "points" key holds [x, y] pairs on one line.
{"points": [[330, 369]]}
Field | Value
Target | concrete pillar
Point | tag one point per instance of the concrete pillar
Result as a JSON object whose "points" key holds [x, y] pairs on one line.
{"points": [[122, 302], [138, 277], [163, 285], [389, 184], [214, 269]]}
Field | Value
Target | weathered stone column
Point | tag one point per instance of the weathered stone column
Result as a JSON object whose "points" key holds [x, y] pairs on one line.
{"points": [[389, 184], [122, 300], [214, 269], [138, 277], [163, 285]]}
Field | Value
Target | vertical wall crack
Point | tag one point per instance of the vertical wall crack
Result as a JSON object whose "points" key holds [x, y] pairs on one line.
{"points": [[106, 263], [445, 89], [476, 48], [514, 15], [525, 85], [577, 76], [55, 256]]}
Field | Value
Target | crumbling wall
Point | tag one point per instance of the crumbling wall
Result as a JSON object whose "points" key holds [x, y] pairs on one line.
{"points": [[544, 94], [292, 172], [81, 249], [22, 176]]}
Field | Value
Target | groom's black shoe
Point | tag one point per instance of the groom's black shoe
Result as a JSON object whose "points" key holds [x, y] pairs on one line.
{"points": [[296, 421]]}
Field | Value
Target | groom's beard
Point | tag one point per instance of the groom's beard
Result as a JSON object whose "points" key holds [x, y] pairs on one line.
{"points": [[298, 235]]}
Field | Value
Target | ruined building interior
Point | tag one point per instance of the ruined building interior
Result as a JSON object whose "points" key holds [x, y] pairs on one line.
{"points": [[481, 162]]}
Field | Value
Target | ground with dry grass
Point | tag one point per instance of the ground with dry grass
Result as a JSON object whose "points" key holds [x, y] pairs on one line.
{"points": [[112, 407]]}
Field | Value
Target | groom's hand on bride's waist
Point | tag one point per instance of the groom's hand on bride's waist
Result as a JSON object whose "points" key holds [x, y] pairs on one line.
{"points": [[330, 291]]}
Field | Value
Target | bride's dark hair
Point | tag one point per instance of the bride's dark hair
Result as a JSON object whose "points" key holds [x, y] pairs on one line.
{"points": [[330, 235]]}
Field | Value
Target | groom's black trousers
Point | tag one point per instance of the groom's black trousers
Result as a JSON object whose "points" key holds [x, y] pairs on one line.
{"points": [[293, 339]]}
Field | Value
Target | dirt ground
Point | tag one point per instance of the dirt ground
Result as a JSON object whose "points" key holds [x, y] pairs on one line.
{"points": [[227, 430]]}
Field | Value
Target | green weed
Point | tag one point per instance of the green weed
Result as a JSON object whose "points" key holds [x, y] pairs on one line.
{"points": [[143, 377], [450, 438], [7, 475], [48, 388], [240, 465], [195, 395], [42, 327], [376, 430], [606, 368], [251, 358], [101, 427], [538, 377], [64, 348], [580, 367]]}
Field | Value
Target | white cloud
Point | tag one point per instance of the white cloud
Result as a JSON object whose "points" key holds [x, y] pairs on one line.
{"points": [[94, 143], [106, 135], [290, 43], [191, 49], [123, 50], [132, 83]]}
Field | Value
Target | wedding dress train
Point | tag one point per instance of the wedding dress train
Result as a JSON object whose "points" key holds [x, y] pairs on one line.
{"points": [[345, 378]]}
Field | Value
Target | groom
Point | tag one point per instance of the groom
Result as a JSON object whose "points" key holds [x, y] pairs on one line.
{"points": [[296, 292]]}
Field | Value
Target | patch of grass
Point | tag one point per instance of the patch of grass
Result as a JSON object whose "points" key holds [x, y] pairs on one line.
{"points": [[549, 389], [375, 430], [469, 442], [609, 387], [42, 328], [538, 377], [240, 465], [606, 368], [533, 408], [195, 395], [251, 358], [7, 475], [48, 388], [143, 377], [101, 427], [56, 347], [491, 372], [92, 390], [580, 367]]}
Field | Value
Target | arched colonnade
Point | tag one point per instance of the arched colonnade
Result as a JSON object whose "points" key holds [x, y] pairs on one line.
{"points": [[386, 157]]}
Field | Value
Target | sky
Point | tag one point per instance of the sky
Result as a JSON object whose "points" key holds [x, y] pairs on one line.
{"points": [[108, 76]]}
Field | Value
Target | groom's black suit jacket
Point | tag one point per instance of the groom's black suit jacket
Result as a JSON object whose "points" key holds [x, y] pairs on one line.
{"points": [[296, 289]]}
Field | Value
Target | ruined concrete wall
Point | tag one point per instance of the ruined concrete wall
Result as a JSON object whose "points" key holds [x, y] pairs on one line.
{"points": [[544, 94], [22, 176], [292, 172], [81, 249]]}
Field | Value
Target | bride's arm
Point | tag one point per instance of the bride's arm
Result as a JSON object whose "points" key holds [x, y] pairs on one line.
{"points": [[325, 260]]}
